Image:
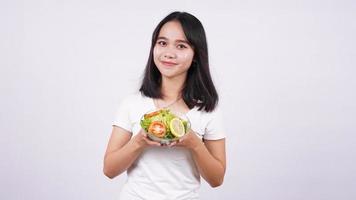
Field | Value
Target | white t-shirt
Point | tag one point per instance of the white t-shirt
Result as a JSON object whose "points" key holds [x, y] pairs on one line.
{"points": [[164, 173]]}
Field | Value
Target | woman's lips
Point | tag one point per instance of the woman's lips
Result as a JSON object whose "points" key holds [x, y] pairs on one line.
{"points": [[168, 63]]}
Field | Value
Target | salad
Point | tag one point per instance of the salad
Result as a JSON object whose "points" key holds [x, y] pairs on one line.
{"points": [[163, 124]]}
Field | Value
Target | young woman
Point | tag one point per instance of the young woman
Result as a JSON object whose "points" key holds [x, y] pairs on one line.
{"points": [[176, 76]]}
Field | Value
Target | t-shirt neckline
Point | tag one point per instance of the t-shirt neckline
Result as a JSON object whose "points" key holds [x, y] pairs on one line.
{"points": [[153, 105]]}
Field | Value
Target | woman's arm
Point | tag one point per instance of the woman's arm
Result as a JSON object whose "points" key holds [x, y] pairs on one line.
{"points": [[210, 159], [209, 156], [122, 151]]}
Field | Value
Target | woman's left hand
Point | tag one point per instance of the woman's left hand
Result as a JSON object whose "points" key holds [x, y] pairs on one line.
{"points": [[190, 140]]}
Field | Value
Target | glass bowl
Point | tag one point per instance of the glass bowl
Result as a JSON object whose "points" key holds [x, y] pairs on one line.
{"points": [[157, 124]]}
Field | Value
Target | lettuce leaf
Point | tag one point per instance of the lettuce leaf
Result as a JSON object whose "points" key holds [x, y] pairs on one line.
{"points": [[164, 116]]}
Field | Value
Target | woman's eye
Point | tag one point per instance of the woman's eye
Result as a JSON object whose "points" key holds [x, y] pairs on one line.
{"points": [[162, 43], [181, 46]]}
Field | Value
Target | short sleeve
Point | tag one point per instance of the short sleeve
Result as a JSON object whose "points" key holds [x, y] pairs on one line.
{"points": [[214, 129], [122, 116]]}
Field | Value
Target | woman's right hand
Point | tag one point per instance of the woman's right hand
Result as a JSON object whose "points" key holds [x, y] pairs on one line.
{"points": [[143, 141]]}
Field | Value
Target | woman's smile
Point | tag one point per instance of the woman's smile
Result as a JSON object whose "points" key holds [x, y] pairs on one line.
{"points": [[169, 64]]}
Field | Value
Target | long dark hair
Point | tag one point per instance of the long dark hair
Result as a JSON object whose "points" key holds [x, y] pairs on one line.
{"points": [[199, 90]]}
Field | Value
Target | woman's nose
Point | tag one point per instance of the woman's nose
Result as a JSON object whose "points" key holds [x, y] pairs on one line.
{"points": [[169, 54]]}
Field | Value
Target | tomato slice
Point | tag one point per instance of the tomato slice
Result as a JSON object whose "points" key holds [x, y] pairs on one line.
{"points": [[157, 128]]}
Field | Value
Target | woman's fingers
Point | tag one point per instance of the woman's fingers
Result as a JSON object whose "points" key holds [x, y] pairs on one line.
{"points": [[172, 144], [150, 142], [183, 141], [184, 137], [147, 140], [189, 140], [143, 133]]}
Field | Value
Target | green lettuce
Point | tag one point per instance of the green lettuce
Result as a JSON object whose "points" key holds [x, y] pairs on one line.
{"points": [[165, 116]]}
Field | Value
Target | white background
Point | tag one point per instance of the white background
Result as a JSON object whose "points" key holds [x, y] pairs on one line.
{"points": [[284, 69]]}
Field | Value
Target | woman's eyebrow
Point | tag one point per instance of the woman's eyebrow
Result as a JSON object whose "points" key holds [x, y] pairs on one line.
{"points": [[164, 38]]}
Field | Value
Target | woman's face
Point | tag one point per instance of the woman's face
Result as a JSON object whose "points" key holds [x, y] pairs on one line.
{"points": [[172, 53]]}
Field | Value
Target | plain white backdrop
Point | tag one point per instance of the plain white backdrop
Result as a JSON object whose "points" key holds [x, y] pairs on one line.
{"points": [[285, 71]]}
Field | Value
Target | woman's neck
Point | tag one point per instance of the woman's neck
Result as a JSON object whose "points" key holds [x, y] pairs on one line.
{"points": [[172, 87]]}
